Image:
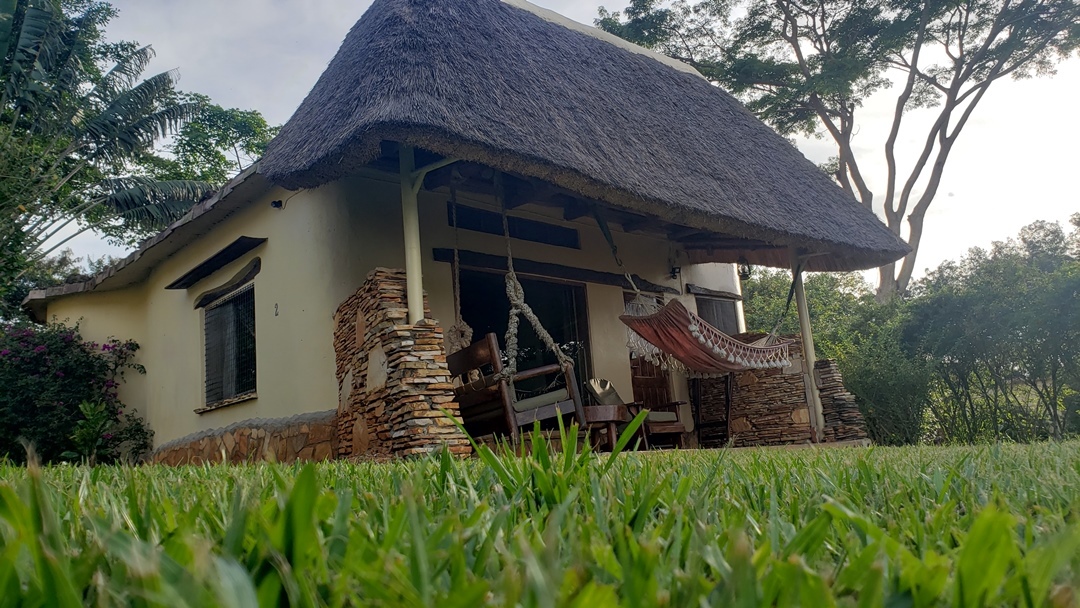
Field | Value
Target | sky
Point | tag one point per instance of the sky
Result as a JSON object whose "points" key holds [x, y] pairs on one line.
{"points": [[1015, 163]]}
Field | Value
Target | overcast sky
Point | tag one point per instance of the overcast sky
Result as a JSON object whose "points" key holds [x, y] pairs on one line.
{"points": [[1015, 163]]}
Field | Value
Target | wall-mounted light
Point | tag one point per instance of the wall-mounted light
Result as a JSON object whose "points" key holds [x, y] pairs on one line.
{"points": [[675, 272], [277, 204], [745, 270]]}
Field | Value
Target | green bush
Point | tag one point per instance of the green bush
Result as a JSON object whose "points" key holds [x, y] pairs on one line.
{"points": [[892, 388], [46, 374]]}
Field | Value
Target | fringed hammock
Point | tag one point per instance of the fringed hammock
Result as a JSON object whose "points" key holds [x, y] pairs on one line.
{"points": [[674, 337]]}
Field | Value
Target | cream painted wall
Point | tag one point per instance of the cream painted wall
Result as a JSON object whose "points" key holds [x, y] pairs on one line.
{"points": [[320, 248], [100, 316]]}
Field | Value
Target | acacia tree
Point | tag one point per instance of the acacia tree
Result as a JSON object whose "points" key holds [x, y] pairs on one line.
{"points": [[806, 66]]}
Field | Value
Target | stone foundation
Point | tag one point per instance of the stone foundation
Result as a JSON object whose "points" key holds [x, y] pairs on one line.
{"points": [[769, 407], [304, 437], [393, 381]]}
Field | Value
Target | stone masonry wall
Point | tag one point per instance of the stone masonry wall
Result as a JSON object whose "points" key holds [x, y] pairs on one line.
{"points": [[304, 437], [392, 377], [769, 407], [843, 420]]}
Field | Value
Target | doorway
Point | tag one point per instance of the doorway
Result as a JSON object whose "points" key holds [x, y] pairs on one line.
{"points": [[651, 384], [561, 308]]}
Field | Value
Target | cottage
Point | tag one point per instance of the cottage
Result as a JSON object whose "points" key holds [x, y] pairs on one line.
{"points": [[440, 126]]}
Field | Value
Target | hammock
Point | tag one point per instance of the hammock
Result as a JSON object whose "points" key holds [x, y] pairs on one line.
{"points": [[674, 337]]}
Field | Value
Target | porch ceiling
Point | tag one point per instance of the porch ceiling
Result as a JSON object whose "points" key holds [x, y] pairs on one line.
{"points": [[701, 245]]}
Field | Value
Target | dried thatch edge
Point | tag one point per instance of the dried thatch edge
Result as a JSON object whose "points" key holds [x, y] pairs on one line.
{"points": [[269, 425]]}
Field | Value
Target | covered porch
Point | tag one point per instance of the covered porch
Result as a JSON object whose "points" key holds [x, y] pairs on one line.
{"points": [[578, 259]]}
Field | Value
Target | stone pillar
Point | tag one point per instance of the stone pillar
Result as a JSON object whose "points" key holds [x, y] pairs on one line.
{"points": [[393, 376]]}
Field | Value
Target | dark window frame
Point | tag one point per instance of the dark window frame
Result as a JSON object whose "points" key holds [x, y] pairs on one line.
{"points": [[708, 316], [229, 340]]}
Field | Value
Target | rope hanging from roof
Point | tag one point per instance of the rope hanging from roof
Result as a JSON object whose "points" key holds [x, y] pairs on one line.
{"points": [[460, 335], [515, 292]]}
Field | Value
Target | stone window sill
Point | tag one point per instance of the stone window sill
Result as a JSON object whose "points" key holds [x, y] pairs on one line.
{"points": [[209, 407]]}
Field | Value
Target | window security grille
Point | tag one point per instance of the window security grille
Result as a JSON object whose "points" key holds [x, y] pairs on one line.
{"points": [[721, 314], [229, 327]]}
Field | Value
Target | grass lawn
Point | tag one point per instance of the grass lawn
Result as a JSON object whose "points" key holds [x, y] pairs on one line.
{"points": [[923, 526]]}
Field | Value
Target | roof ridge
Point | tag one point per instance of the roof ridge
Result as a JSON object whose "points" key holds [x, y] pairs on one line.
{"points": [[576, 26]]}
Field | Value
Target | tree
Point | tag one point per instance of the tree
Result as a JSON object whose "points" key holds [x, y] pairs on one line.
{"points": [[216, 144], [806, 66], [835, 301], [1001, 330], [71, 132]]}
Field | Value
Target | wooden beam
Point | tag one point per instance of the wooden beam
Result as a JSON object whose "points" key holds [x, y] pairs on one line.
{"points": [[697, 290], [684, 232], [817, 416], [459, 173], [636, 224], [575, 209], [485, 261]]}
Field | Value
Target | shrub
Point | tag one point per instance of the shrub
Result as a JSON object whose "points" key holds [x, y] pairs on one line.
{"points": [[46, 374], [891, 385]]}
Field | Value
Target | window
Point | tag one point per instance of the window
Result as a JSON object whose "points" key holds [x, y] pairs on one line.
{"points": [[721, 314], [229, 326]]}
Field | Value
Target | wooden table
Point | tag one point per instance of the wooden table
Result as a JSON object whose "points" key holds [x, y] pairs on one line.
{"points": [[608, 417]]}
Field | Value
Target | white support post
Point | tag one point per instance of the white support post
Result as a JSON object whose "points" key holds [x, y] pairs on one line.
{"points": [[410, 219], [817, 415]]}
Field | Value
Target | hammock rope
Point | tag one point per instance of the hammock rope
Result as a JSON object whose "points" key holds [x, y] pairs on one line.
{"points": [[460, 334], [515, 292]]}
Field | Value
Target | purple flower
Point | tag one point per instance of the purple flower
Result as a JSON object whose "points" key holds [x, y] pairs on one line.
{"points": [[68, 337], [109, 384], [107, 436], [59, 374], [107, 347], [5, 352], [40, 349]]}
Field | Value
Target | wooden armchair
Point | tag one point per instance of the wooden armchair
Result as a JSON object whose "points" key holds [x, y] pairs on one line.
{"points": [[486, 403], [663, 420]]}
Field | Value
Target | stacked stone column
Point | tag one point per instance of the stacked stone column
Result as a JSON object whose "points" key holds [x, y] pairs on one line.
{"points": [[394, 382], [769, 407]]}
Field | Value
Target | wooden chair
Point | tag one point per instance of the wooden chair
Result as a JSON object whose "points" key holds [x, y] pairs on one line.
{"points": [[483, 401], [663, 420]]}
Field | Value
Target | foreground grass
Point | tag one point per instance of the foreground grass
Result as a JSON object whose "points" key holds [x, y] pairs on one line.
{"points": [[915, 526]]}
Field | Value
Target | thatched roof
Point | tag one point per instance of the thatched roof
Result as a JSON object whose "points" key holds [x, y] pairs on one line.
{"points": [[514, 87]]}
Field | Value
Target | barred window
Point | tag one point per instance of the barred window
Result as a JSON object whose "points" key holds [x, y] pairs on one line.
{"points": [[230, 346], [721, 314]]}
